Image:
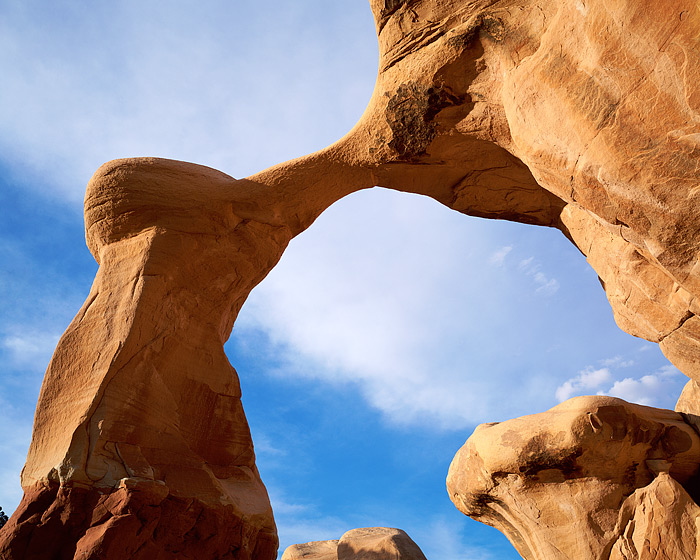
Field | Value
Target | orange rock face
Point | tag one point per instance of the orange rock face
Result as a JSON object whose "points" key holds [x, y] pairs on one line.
{"points": [[140, 445], [315, 550], [596, 100], [578, 114], [590, 476], [371, 543]]}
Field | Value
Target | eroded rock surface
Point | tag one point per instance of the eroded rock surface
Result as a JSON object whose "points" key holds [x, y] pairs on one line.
{"points": [[315, 550], [371, 543], [600, 102], [141, 448], [577, 114], [657, 522], [594, 477]]}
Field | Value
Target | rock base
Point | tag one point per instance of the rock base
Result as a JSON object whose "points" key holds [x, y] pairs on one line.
{"points": [[140, 520]]}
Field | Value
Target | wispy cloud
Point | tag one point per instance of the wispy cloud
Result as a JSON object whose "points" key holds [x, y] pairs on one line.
{"points": [[25, 353], [282, 506], [28, 348], [297, 528], [660, 388], [442, 537], [15, 432], [264, 446], [166, 85], [587, 380], [382, 293], [498, 258], [545, 284], [618, 361]]}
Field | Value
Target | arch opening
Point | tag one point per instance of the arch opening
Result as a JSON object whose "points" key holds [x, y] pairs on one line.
{"points": [[460, 322]]}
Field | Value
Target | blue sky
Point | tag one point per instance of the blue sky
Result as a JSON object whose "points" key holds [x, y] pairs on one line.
{"points": [[388, 331]]}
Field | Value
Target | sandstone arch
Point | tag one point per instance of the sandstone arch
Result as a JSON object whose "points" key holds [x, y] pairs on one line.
{"points": [[577, 115]]}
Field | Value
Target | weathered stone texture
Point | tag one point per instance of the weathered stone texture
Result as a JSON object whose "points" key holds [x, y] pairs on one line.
{"points": [[587, 479], [315, 550], [370, 543]]}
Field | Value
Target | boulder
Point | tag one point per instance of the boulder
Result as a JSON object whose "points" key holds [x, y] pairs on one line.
{"points": [[315, 550], [370, 543], [582, 479]]}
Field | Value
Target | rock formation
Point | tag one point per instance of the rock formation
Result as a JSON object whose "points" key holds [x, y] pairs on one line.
{"points": [[315, 550], [371, 543], [140, 442], [594, 477], [575, 114]]}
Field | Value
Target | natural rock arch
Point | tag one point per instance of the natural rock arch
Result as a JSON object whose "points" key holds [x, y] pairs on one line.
{"points": [[533, 112]]}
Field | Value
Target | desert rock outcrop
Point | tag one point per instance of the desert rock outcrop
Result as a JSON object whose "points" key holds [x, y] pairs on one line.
{"points": [[594, 477], [582, 115], [371, 543], [315, 550], [141, 446]]}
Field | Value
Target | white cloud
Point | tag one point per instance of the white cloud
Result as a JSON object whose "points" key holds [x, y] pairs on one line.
{"points": [[545, 285], [586, 381], [660, 388], [25, 353], [498, 258], [282, 506], [297, 529], [264, 446], [382, 293], [15, 432], [617, 361], [644, 390], [178, 85], [29, 348]]}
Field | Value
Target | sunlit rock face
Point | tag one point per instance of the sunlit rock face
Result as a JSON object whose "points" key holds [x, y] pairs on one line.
{"points": [[575, 114], [315, 550], [371, 543], [600, 103], [141, 448], [594, 477]]}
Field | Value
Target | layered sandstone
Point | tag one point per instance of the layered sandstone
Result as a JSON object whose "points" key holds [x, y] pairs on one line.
{"points": [[371, 543], [594, 477], [140, 445], [575, 114]]}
